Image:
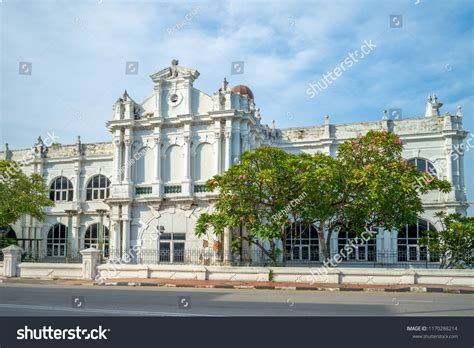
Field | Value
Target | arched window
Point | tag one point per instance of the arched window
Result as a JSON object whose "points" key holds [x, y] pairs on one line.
{"points": [[61, 190], [98, 188], [57, 241], [423, 165], [92, 237], [302, 243], [407, 242], [355, 248]]}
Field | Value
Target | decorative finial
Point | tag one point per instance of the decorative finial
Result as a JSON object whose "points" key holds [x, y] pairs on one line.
{"points": [[125, 96], [326, 119], [385, 115], [8, 153], [432, 106], [224, 85], [459, 111], [174, 68]]}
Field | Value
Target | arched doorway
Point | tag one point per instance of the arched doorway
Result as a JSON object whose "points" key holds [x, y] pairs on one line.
{"points": [[7, 236]]}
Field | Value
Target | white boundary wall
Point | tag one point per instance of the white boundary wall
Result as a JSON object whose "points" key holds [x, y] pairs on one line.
{"points": [[50, 270], [304, 275]]}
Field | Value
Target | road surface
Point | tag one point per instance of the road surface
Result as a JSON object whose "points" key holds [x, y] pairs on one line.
{"points": [[55, 300]]}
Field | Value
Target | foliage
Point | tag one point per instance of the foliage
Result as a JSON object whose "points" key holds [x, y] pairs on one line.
{"points": [[20, 194], [251, 193], [373, 186], [454, 243], [368, 184]]}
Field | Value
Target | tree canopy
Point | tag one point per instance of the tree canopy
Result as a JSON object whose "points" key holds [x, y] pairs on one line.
{"points": [[21, 194], [368, 184], [454, 243]]}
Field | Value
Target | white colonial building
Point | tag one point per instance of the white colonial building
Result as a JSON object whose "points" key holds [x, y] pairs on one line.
{"points": [[146, 187]]}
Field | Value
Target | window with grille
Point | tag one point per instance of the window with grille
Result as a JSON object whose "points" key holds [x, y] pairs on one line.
{"points": [[407, 241], [57, 241], [61, 190], [98, 188]]}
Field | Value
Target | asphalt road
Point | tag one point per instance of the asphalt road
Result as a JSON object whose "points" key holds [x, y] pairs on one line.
{"points": [[54, 300]]}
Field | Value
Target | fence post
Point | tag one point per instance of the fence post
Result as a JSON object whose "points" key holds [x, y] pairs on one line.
{"points": [[11, 259], [90, 261]]}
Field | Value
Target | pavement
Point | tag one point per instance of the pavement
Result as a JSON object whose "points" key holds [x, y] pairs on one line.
{"points": [[221, 284], [257, 285]]}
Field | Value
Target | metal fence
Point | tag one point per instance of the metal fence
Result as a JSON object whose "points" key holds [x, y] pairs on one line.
{"points": [[210, 257], [47, 257]]}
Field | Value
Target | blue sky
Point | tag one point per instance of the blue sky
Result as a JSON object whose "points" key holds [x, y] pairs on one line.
{"points": [[78, 52]]}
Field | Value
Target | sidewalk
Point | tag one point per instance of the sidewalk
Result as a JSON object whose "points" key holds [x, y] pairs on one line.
{"points": [[192, 283], [216, 284]]}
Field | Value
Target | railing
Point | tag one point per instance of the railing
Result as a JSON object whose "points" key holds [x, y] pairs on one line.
{"points": [[172, 188], [211, 257], [200, 188], [144, 190], [44, 256], [208, 257]]}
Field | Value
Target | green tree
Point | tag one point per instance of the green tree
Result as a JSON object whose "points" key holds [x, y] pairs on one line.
{"points": [[21, 194], [454, 244], [252, 194], [369, 185]]}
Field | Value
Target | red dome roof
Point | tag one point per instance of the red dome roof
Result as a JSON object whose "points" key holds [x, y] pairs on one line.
{"points": [[244, 90]]}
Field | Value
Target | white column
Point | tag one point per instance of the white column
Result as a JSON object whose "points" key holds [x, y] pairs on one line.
{"points": [[228, 150], [187, 157], [115, 231], [76, 233], [128, 146], [157, 111], [188, 97], [235, 142], [126, 236], [117, 161], [77, 183], [217, 151], [227, 245], [449, 172], [157, 156]]}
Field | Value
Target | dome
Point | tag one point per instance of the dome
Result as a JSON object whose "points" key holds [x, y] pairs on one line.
{"points": [[244, 90]]}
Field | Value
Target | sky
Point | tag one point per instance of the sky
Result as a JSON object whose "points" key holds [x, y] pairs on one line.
{"points": [[76, 52]]}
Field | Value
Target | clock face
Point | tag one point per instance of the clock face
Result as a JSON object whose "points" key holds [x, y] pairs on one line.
{"points": [[175, 98]]}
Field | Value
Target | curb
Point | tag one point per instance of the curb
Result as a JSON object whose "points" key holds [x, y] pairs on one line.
{"points": [[298, 288]]}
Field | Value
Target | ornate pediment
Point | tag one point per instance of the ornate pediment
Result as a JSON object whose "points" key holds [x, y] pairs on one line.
{"points": [[174, 72]]}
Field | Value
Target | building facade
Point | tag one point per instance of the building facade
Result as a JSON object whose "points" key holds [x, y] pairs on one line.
{"points": [[145, 188]]}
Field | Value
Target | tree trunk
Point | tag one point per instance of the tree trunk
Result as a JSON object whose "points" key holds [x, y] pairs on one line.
{"points": [[322, 241]]}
